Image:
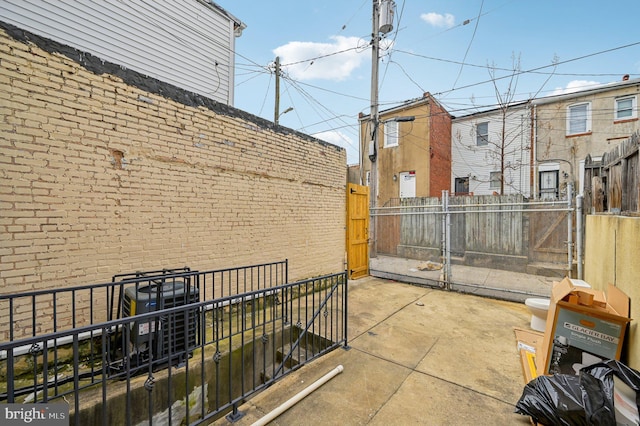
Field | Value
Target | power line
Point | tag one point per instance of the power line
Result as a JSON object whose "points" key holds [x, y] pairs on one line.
{"points": [[544, 66], [473, 36]]}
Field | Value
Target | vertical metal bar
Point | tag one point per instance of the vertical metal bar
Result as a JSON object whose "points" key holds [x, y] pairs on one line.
{"points": [[243, 312], [105, 340], [253, 337], [12, 322], [345, 312], [230, 384], [152, 352], [73, 308], [448, 238], [202, 316], [216, 358], [33, 315], [45, 371], [91, 345], [127, 364], [10, 375], [443, 242], [55, 346], [55, 312], [580, 234], [570, 228], [171, 337], [76, 379], [185, 353]]}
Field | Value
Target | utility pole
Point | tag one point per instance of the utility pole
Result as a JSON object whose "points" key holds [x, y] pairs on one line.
{"points": [[276, 112], [373, 147]]}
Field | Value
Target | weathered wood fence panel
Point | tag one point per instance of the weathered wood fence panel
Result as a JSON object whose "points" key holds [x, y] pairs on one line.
{"points": [[613, 184], [493, 231]]}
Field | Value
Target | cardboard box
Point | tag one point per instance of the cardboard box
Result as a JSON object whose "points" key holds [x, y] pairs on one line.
{"points": [[529, 342], [584, 326]]}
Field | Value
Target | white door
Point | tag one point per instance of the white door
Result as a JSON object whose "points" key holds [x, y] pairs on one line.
{"points": [[407, 184]]}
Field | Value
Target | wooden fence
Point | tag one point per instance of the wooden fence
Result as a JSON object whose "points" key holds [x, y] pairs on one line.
{"points": [[613, 184], [504, 232]]}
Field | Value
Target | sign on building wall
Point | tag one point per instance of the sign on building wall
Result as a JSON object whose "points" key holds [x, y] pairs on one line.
{"points": [[408, 184]]}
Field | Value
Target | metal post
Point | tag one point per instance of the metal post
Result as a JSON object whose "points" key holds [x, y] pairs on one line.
{"points": [[373, 188], [446, 237], [448, 240], [570, 227], [579, 234]]}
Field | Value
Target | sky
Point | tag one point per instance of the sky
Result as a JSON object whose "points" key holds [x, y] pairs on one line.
{"points": [[463, 52]]}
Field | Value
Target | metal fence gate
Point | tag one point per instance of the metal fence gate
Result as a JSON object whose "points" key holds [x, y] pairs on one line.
{"points": [[499, 232]]}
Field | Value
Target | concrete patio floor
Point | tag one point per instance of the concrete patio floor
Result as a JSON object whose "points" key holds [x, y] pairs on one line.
{"points": [[418, 355]]}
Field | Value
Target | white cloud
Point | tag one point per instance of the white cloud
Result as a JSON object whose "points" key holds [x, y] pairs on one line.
{"points": [[437, 20], [334, 67], [338, 138], [575, 86]]}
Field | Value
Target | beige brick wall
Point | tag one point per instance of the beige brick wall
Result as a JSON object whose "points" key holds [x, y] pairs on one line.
{"points": [[101, 177]]}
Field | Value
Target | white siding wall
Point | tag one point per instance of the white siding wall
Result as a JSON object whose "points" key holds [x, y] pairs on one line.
{"points": [[178, 41], [477, 162]]}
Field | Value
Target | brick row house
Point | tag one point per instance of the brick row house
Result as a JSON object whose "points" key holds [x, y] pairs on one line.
{"points": [[533, 148], [414, 150]]}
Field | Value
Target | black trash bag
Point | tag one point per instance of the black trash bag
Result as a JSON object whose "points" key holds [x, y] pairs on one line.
{"points": [[553, 400], [587, 399], [598, 390]]}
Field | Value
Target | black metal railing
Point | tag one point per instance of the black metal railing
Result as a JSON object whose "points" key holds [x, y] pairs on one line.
{"points": [[190, 358], [34, 313]]}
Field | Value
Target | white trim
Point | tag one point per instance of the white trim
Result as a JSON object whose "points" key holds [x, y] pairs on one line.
{"points": [[390, 139], [587, 124], [547, 167], [634, 107]]}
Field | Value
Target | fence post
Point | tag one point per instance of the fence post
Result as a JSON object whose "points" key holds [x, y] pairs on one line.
{"points": [[570, 227], [446, 239], [579, 234]]}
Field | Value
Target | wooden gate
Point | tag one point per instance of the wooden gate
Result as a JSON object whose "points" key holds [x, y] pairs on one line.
{"points": [[548, 237], [357, 231]]}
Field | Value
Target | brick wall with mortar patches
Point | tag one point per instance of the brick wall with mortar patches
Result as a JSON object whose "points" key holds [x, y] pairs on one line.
{"points": [[106, 171]]}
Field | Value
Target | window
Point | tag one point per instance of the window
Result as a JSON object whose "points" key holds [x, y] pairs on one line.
{"points": [[578, 118], [549, 185], [625, 108], [462, 186], [391, 133], [494, 180], [482, 133]]}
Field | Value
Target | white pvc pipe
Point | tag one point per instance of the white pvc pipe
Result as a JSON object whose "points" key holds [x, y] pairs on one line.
{"points": [[299, 396]]}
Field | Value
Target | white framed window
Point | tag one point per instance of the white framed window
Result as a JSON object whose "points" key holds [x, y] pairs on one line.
{"points": [[494, 180], [579, 118], [391, 133], [482, 133], [626, 108]]}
